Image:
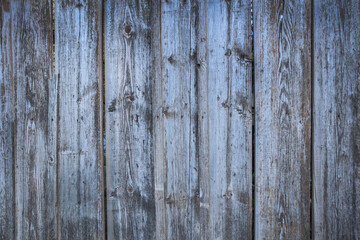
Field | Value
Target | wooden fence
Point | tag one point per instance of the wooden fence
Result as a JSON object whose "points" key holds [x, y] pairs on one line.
{"points": [[215, 128]]}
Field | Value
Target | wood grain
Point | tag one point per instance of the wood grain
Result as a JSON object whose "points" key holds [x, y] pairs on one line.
{"points": [[129, 152], [30, 56], [78, 65], [229, 116], [7, 228], [201, 218], [203, 121], [157, 123], [180, 109], [282, 31], [176, 85], [336, 175]]}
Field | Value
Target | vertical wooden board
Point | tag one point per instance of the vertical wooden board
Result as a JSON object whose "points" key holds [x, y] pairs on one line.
{"points": [[194, 204], [240, 119], [157, 123], [230, 100], [6, 126], [202, 213], [177, 121], [30, 66], [282, 31], [336, 174], [79, 125], [129, 155]]}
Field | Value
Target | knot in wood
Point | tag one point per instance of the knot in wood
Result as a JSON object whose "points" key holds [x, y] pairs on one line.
{"points": [[127, 30], [130, 189]]}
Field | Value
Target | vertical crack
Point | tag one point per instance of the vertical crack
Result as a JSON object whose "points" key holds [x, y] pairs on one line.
{"points": [[312, 126], [103, 114], [56, 78], [253, 120]]}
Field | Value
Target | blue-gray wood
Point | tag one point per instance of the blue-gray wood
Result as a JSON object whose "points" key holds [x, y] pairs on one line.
{"points": [[336, 175], [27, 60], [78, 69], [282, 32], [7, 223], [178, 119], [179, 110], [129, 149]]}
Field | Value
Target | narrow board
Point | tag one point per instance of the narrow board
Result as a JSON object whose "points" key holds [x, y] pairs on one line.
{"points": [[7, 227], [336, 174], [175, 111], [228, 112], [129, 155], [282, 31], [28, 70], [78, 67]]}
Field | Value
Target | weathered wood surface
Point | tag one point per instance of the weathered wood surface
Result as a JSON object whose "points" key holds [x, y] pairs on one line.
{"points": [[7, 227], [130, 168], [78, 67], [203, 121], [179, 111], [336, 133], [29, 58], [282, 31], [173, 178], [176, 132], [229, 119]]}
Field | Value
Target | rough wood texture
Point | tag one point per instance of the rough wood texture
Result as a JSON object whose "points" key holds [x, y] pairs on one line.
{"points": [[29, 68], [176, 85], [79, 127], [282, 33], [7, 222], [336, 191], [229, 116], [180, 112], [129, 155], [158, 120], [203, 121], [199, 26]]}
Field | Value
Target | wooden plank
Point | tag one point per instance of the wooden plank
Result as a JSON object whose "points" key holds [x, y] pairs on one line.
{"points": [[336, 120], [129, 154], [158, 122], [201, 217], [7, 228], [78, 67], [229, 114], [175, 90], [282, 31], [30, 56]]}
